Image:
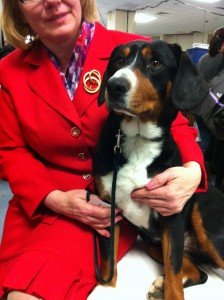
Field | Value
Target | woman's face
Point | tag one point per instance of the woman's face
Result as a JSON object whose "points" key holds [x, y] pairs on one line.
{"points": [[54, 21]]}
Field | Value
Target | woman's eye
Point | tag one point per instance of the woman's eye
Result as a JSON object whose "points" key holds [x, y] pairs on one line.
{"points": [[155, 63]]}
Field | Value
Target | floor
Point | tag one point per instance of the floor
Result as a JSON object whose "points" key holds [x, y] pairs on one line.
{"points": [[5, 196]]}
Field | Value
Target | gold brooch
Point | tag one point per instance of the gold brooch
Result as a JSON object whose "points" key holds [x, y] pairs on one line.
{"points": [[92, 81]]}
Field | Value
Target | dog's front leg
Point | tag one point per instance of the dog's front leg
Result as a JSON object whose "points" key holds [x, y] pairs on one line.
{"points": [[170, 285], [105, 256]]}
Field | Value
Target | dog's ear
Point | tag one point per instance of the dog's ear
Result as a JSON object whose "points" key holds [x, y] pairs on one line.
{"points": [[106, 76], [101, 97], [189, 88], [110, 70]]}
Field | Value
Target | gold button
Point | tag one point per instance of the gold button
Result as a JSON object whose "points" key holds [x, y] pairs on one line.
{"points": [[82, 156], [87, 176], [75, 132]]}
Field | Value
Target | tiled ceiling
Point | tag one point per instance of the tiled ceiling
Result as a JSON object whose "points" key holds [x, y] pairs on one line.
{"points": [[173, 16]]}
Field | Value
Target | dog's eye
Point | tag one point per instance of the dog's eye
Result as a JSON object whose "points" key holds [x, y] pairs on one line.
{"points": [[154, 64], [119, 61]]}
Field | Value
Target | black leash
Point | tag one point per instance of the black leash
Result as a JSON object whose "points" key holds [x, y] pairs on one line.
{"points": [[117, 152]]}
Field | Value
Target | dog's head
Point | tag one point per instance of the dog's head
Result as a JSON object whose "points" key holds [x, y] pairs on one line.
{"points": [[148, 78]]}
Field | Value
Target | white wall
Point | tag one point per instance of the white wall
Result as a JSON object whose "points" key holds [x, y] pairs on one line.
{"points": [[185, 40]]}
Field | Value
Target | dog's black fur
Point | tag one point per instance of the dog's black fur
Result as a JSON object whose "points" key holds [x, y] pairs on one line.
{"points": [[144, 86]]}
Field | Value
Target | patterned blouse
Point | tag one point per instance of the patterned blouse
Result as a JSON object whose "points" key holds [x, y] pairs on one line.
{"points": [[70, 79]]}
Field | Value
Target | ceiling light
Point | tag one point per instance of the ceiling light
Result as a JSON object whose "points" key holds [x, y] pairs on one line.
{"points": [[143, 18]]}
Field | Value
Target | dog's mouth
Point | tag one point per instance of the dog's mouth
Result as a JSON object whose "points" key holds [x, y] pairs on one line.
{"points": [[119, 109], [123, 111], [131, 112]]}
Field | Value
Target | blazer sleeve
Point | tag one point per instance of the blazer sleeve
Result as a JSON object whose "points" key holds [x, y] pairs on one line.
{"points": [[29, 179], [185, 138]]}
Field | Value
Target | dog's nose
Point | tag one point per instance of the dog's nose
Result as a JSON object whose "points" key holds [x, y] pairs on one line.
{"points": [[117, 87]]}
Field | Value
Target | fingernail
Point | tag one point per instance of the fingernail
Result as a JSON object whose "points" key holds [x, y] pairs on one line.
{"points": [[150, 185]]}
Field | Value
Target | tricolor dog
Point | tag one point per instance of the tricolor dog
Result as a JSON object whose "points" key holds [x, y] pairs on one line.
{"points": [[144, 86]]}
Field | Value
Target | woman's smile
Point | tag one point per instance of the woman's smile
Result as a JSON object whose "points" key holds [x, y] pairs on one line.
{"points": [[58, 17]]}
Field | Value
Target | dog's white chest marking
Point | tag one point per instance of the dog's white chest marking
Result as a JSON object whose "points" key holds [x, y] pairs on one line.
{"points": [[140, 152]]}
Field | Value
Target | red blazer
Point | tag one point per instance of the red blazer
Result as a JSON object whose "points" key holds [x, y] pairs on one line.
{"points": [[46, 143]]}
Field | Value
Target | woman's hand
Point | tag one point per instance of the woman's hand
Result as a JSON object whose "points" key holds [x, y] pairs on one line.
{"points": [[168, 192], [73, 204]]}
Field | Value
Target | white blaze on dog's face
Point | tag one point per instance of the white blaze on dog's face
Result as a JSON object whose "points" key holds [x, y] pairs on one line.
{"points": [[127, 76]]}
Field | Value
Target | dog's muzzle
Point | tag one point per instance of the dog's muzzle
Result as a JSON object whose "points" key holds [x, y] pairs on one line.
{"points": [[117, 88], [118, 94], [119, 91]]}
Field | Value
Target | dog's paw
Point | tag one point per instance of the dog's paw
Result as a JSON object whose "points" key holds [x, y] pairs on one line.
{"points": [[101, 292], [156, 289]]}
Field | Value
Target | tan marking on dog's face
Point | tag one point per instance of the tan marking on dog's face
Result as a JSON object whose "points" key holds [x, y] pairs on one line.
{"points": [[145, 100], [146, 53], [126, 51]]}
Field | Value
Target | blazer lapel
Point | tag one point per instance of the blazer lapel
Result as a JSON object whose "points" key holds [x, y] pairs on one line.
{"points": [[46, 83], [97, 58]]}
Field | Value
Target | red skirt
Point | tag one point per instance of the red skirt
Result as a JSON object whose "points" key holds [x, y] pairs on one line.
{"points": [[52, 258]]}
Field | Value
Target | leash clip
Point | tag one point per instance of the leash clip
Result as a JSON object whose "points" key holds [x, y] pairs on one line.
{"points": [[117, 147]]}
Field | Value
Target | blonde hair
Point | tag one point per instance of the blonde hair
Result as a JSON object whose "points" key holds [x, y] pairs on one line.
{"points": [[15, 30]]}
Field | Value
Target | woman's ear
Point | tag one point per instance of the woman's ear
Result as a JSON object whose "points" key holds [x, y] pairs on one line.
{"points": [[189, 88]]}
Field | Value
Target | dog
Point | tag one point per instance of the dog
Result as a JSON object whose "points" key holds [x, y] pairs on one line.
{"points": [[144, 86]]}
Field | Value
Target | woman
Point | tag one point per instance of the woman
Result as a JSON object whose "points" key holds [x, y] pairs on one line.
{"points": [[211, 63], [48, 131]]}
